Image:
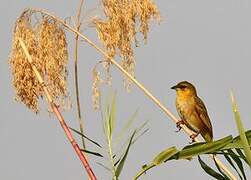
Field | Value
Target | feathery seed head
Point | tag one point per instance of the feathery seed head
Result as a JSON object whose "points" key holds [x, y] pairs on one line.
{"points": [[46, 43], [54, 54], [118, 31], [27, 86]]}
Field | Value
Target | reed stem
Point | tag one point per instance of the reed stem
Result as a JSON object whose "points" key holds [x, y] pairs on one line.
{"points": [[80, 120]]}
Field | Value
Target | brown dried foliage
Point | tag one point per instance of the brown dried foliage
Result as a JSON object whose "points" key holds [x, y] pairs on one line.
{"points": [[47, 46], [118, 31]]}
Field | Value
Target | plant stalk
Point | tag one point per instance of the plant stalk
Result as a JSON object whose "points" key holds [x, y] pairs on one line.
{"points": [[138, 84], [80, 120], [59, 116], [111, 159]]}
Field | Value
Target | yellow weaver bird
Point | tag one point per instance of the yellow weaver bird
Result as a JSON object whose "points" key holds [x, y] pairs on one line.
{"points": [[192, 111]]}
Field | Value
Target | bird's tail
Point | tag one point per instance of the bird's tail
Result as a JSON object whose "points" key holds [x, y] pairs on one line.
{"points": [[207, 136]]}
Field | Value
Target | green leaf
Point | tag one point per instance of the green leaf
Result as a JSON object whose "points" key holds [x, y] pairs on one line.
{"points": [[84, 136], [241, 130], [112, 115], [209, 170], [203, 148], [106, 123], [187, 152], [164, 155], [241, 155], [122, 162], [248, 135], [238, 162], [105, 167], [143, 170], [219, 169], [237, 141], [116, 163], [127, 126], [226, 155], [138, 136], [92, 152], [138, 130]]}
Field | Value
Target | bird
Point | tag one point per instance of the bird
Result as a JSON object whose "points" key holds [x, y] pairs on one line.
{"points": [[192, 111]]}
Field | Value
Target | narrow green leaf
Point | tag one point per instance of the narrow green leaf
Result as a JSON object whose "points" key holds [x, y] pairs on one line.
{"points": [[209, 170], [116, 163], [138, 136], [138, 130], [164, 155], [135, 138], [122, 162], [107, 126], [84, 136], [142, 126], [143, 170], [92, 152], [226, 155], [127, 126], [203, 148], [248, 135], [219, 169], [241, 155], [238, 162], [105, 167], [237, 141], [112, 115], [241, 130]]}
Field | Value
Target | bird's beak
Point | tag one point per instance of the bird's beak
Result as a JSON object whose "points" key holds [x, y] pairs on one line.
{"points": [[174, 87]]}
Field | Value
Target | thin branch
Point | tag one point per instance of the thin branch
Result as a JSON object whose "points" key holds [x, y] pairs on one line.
{"points": [[137, 83], [78, 25], [59, 115]]}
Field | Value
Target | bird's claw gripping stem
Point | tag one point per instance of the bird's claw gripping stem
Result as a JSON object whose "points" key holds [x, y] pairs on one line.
{"points": [[193, 136], [178, 125]]}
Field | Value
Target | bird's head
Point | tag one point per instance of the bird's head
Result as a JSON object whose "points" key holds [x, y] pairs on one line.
{"points": [[184, 89]]}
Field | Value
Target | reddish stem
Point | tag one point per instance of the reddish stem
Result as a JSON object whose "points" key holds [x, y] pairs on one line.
{"points": [[73, 142]]}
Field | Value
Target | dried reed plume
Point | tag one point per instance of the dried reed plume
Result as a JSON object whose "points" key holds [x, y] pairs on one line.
{"points": [[54, 54], [118, 30], [96, 88], [47, 46], [27, 87]]}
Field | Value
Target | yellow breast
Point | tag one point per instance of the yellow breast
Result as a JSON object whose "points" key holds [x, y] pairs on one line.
{"points": [[186, 109]]}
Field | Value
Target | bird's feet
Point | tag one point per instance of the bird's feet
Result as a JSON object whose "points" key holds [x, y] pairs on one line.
{"points": [[178, 125], [193, 136]]}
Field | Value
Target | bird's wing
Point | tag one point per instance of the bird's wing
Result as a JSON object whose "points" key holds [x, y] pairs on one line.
{"points": [[202, 111]]}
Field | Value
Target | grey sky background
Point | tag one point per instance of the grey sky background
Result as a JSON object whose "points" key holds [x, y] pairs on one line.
{"points": [[205, 42]]}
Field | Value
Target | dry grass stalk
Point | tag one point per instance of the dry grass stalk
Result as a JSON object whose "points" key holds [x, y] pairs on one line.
{"points": [[47, 45], [78, 25], [118, 31]]}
